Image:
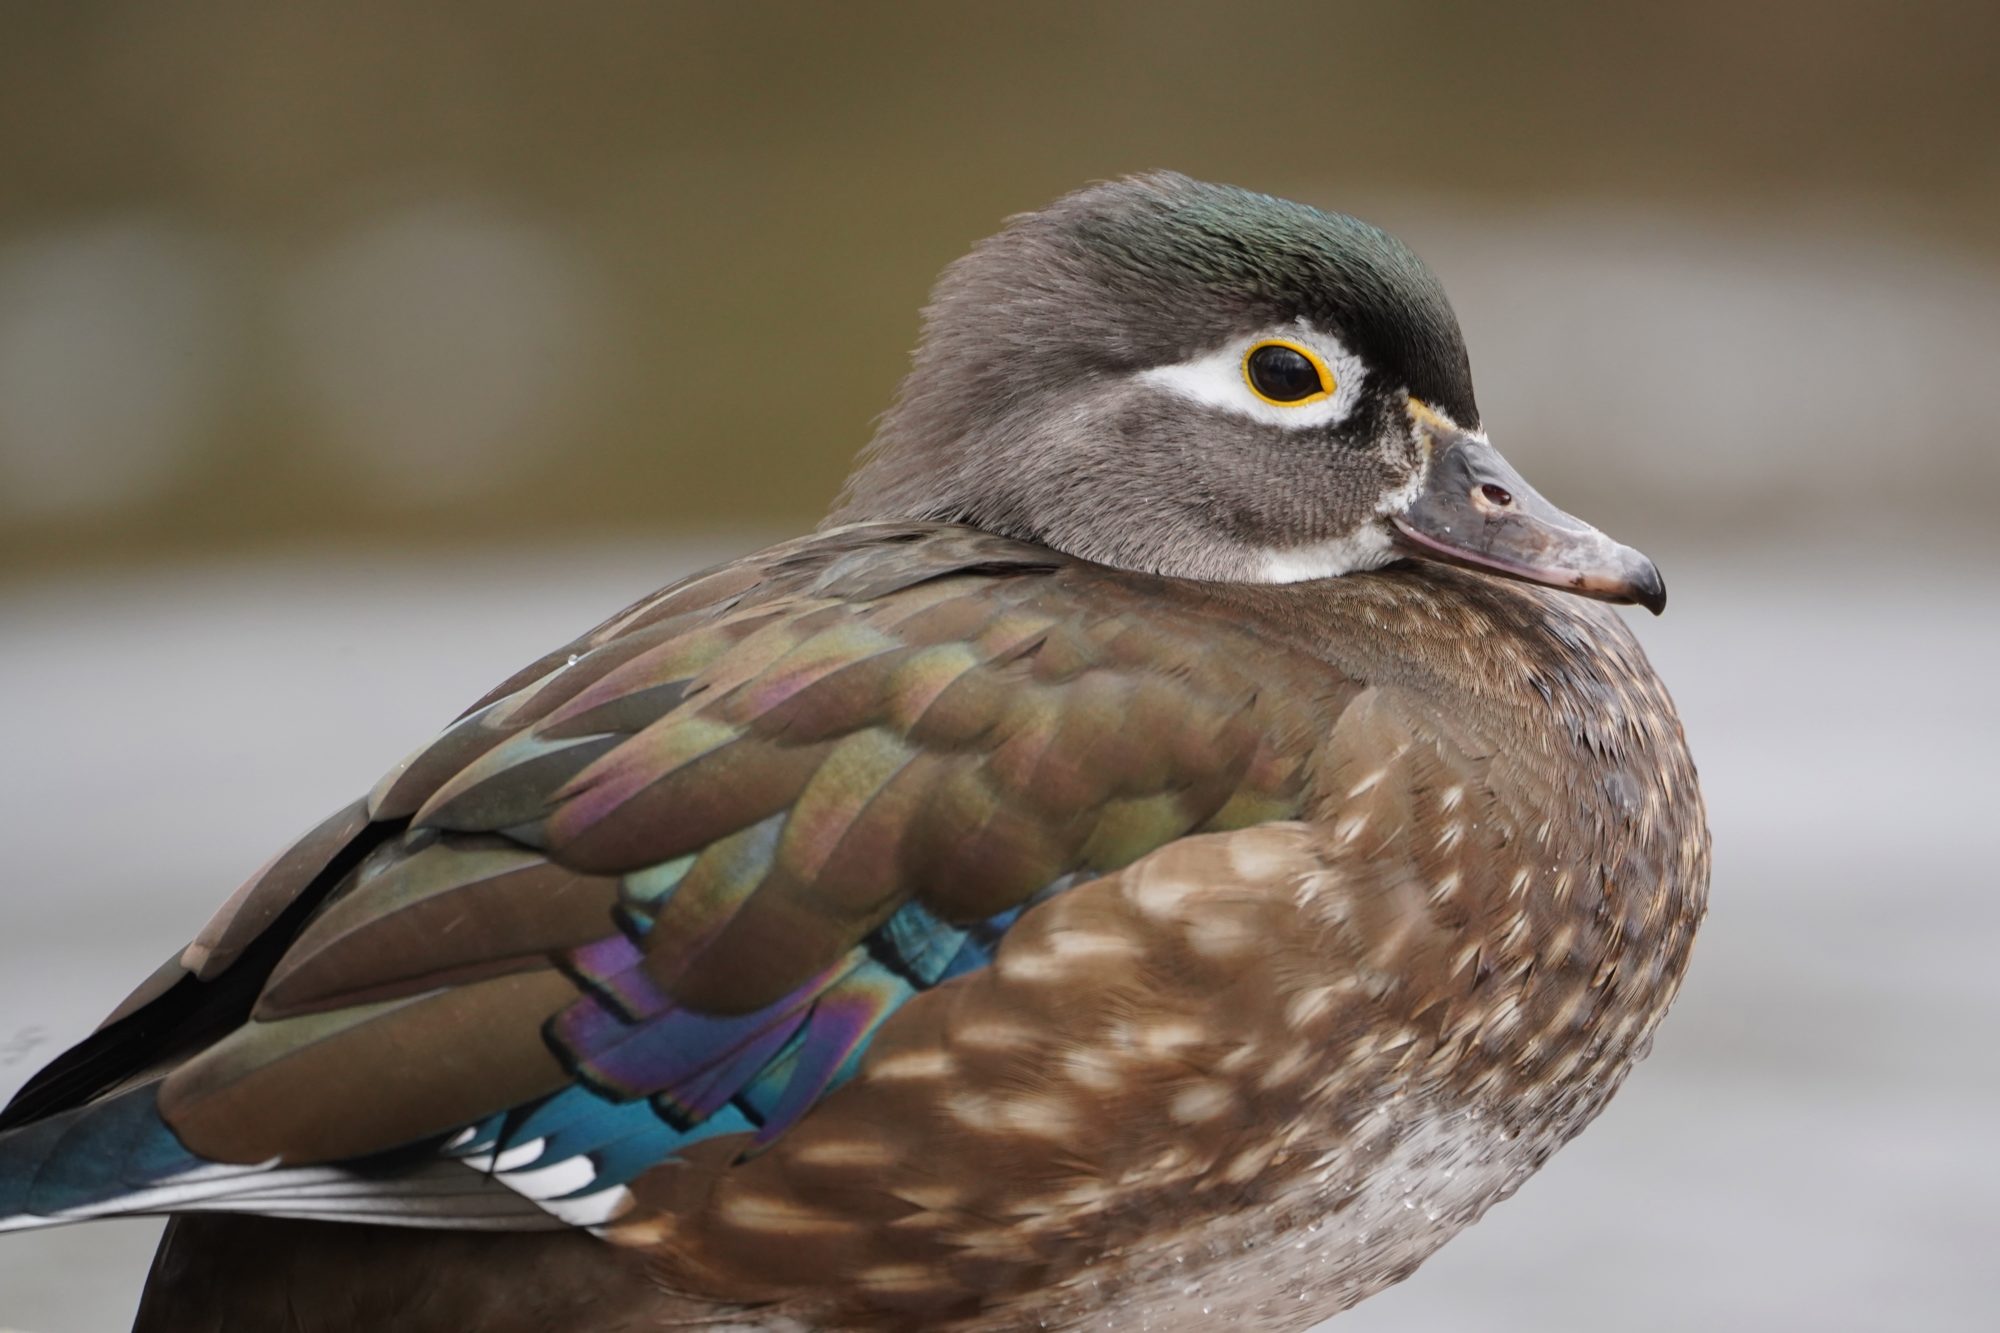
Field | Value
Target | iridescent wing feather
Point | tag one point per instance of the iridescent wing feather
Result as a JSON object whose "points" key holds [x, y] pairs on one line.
{"points": [[666, 884]]}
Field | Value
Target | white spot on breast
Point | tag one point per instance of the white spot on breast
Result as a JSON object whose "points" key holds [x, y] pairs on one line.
{"points": [[898, 1066], [1262, 854], [1040, 1117], [994, 1035], [1098, 1070], [1224, 935], [1201, 1101], [1309, 1005], [1091, 946], [1503, 1018], [1157, 893], [764, 1212], [989, 1242], [1287, 1067], [1029, 964], [931, 1196], [1169, 1037], [863, 1154], [897, 1277], [1249, 1163]]}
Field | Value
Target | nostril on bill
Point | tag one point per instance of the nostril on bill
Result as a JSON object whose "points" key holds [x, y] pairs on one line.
{"points": [[1498, 495]]}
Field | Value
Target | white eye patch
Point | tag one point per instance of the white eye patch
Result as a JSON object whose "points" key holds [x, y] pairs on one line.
{"points": [[1221, 379]]}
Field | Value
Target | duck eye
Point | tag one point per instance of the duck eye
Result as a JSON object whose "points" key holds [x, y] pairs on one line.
{"points": [[1286, 374]]}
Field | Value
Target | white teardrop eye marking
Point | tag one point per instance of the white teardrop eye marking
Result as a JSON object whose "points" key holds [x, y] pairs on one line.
{"points": [[1250, 377], [1283, 373]]}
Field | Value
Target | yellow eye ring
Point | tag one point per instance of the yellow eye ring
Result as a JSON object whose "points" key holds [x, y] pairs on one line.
{"points": [[1287, 374]]}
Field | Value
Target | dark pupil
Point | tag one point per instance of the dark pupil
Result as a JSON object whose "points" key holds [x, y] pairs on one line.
{"points": [[1283, 374]]}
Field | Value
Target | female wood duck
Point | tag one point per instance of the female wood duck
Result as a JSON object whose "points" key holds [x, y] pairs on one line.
{"points": [[1134, 867]]}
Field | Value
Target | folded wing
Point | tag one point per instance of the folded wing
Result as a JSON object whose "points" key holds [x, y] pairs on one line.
{"points": [[665, 885]]}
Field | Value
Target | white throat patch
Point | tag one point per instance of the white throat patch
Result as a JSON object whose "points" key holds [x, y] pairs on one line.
{"points": [[1216, 379], [1370, 548]]}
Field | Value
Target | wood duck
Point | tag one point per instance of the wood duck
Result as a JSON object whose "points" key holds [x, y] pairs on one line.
{"points": [[1179, 842]]}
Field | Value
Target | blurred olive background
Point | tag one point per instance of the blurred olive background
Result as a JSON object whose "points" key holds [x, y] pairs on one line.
{"points": [[352, 353], [487, 271]]}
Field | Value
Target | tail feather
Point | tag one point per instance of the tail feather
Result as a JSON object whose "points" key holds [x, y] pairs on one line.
{"points": [[82, 1162], [116, 1156]]}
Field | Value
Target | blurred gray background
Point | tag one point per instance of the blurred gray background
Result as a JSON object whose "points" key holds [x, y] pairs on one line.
{"points": [[350, 355]]}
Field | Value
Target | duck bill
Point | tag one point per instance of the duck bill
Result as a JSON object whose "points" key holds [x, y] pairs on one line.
{"points": [[1476, 511]]}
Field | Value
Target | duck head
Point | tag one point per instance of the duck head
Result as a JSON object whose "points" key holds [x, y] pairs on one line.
{"points": [[1202, 382]]}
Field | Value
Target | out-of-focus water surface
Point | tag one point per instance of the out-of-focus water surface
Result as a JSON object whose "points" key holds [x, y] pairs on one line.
{"points": [[1810, 1145]]}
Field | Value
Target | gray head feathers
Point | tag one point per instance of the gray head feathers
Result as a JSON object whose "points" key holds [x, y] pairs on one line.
{"points": [[1024, 413]]}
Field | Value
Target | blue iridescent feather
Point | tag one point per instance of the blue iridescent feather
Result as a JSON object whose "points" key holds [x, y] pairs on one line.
{"points": [[653, 1078]]}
